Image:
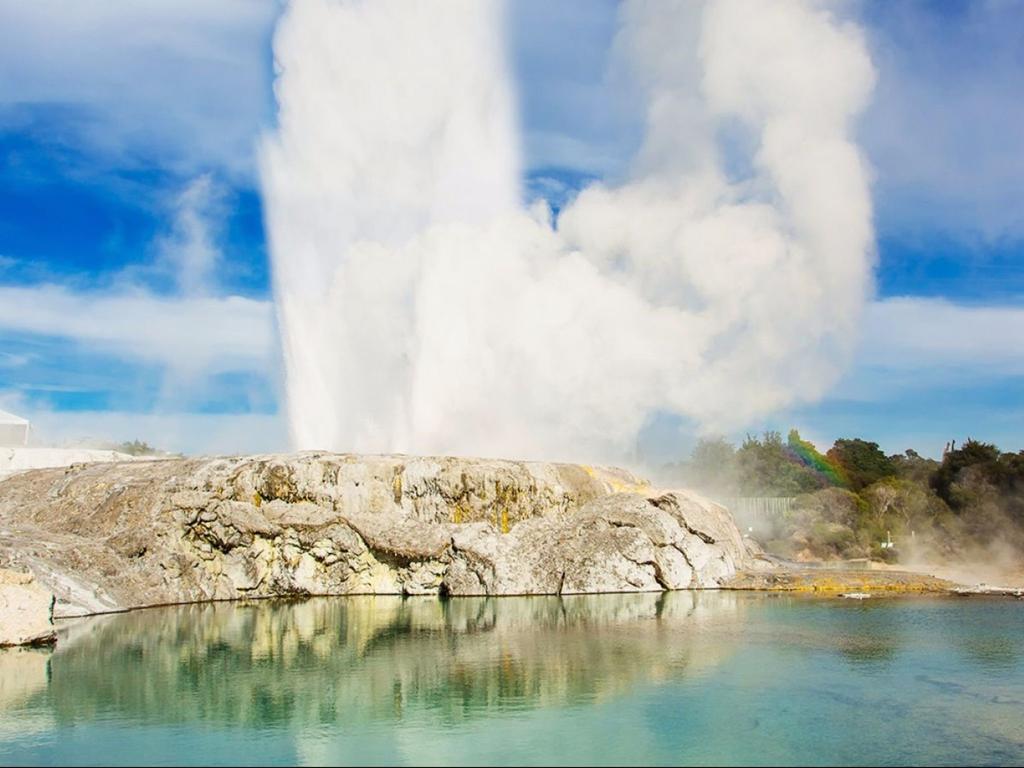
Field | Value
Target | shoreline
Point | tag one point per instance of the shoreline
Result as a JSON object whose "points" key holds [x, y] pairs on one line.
{"points": [[803, 583]]}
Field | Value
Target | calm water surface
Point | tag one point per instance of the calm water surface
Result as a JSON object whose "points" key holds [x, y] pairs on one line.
{"points": [[676, 678]]}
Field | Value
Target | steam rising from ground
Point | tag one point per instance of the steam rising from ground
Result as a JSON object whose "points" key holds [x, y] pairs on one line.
{"points": [[423, 308]]}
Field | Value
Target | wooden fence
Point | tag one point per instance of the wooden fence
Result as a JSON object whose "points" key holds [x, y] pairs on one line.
{"points": [[750, 508]]}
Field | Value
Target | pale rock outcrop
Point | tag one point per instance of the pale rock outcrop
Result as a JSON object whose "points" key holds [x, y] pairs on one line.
{"points": [[26, 610], [116, 536], [618, 543]]}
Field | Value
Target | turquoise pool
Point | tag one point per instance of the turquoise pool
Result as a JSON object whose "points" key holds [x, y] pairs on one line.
{"points": [[719, 678]]}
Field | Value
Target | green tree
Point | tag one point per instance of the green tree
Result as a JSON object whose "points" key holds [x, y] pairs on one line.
{"points": [[901, 506], [768, 467], [973, 453], [861, 462], [985, 489], [910, 465]]}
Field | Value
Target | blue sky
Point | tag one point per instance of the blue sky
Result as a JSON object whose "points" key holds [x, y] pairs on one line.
{"points": [[134, 282]]}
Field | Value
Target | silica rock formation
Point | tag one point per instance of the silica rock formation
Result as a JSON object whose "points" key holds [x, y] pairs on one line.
{"points": [[26, 611], [108, 537]]}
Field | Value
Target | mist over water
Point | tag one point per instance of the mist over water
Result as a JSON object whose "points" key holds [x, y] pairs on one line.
{"points": [[424, 308]]}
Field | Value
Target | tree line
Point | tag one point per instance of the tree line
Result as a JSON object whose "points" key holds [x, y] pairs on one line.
{"points": [[853, 498]]}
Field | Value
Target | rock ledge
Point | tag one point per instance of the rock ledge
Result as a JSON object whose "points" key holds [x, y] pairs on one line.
{"points": [[108, 537]]}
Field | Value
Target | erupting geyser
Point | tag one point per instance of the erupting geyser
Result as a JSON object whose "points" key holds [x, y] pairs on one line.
{"points": [[423, 308]]}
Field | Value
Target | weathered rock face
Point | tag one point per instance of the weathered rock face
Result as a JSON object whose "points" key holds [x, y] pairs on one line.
{"points": [[26, 610], [113, 536]]}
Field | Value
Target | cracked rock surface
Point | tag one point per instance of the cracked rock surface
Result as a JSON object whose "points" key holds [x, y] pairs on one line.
{"points": [[107, 537]]}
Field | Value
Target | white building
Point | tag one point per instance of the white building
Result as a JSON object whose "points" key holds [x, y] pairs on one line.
{"points": [[13, 430]]}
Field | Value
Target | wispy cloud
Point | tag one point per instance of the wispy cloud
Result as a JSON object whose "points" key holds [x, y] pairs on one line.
{"points": [[944, 129], [185, 83], [12, 360], [578, 111], [915, 334], [187, 258], [137, 346], [158, 343], [190, 333]]}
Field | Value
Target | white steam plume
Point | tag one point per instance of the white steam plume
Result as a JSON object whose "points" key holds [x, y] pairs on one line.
{"points": [[424, 310]]}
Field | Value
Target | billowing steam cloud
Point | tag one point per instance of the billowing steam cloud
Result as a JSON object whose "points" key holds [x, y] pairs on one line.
{"points": [[424, 309]]}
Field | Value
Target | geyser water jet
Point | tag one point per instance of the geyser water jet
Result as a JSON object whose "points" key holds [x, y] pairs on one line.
{"points": [[424, 309]]}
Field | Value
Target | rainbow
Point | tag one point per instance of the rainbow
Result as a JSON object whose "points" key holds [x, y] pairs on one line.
{"points": [[805, 453]]}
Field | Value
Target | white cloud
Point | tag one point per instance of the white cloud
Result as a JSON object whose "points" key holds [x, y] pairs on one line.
{"points": [[183, 82], [188, 335], [190, 252], [577, 109], [187, 83], [926, 346], [191, 339], [914, 334], [927, 371], [174, 352], [12, 360], [945, 131]]}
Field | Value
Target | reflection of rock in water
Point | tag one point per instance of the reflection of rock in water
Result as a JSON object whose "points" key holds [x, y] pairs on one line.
{"points": [[23, 672], [381, 658], [23, 675]]}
